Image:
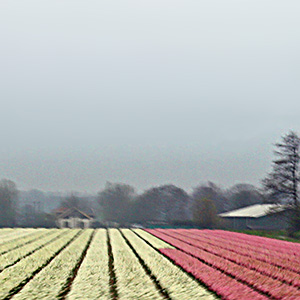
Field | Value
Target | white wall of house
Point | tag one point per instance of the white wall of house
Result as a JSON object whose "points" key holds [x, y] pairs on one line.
{"points": [[74, 223]]}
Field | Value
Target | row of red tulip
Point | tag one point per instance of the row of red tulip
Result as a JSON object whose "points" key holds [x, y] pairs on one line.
{"points": [[259, 282]]}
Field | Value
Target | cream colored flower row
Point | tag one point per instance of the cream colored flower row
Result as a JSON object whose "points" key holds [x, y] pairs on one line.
{"points": [[178, 284], [15, 255], [132, 280], [49, 283], [15, 234], [18, 274], [18, 242], [92, 280]]}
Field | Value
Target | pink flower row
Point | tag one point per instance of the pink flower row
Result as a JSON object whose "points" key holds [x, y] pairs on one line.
{"points": [[259, 282], [277, 245], [248, 254], [262, 246], [223, 285], [284, 275]]}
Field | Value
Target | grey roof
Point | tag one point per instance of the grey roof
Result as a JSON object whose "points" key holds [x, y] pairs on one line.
{"points": [[254, 211]]}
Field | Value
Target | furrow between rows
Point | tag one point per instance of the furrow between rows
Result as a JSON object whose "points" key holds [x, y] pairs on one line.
{"points": [[12, 258], [53, 281], [7, 247], [12, 280], [275, 272], [132, 281], [92, 280], [177, 283]]}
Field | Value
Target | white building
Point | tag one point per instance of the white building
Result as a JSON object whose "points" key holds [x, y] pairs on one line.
{"points": [[74, 218]]}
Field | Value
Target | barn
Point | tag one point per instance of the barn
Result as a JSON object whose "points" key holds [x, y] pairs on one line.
{"points": [[258, 216]]}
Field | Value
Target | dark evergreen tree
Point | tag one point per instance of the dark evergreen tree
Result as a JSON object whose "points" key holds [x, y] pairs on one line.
{"points": [[282, 183]]}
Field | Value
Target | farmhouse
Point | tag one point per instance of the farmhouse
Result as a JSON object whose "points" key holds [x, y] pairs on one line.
{"points": [[258, 216], [73, 218]]}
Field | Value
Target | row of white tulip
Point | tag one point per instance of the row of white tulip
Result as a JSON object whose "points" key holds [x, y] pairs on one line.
{"points": [[15, 255], [20, 273], [153, 240], [10, 245], [16, 234], [48, 283], [92, 280], [13, 230], [5, 231], [132, 280], [178, 284]]}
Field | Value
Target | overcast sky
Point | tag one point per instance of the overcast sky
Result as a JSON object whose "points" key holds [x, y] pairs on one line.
{"points": [[145, 92]]}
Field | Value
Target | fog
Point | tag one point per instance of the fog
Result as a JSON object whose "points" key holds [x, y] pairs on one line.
{"points": [[145, 92]]}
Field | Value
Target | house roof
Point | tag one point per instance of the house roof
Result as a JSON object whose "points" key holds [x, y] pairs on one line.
{"points": [[60, 210], [254, 211], [74, 211]]}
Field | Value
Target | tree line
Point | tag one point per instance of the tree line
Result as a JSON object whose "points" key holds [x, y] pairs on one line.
{"points": [[170, 204], [120, 203]]}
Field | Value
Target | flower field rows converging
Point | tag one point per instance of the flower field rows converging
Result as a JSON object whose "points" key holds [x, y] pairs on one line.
{"points": [[16, 243], [254, 274], [172, 264], [132, 281], [15, 235], [246, 258], [93, 276], [178, 284]]}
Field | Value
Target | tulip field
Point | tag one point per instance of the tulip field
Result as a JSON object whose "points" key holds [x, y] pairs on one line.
{"points": [[179, 264]]}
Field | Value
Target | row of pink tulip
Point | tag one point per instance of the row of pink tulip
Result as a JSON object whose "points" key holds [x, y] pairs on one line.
{"points": [[265, 245], [278, 262], [259, 282], [262, 247], [223, 285], [277, 245], [275, 272]]}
